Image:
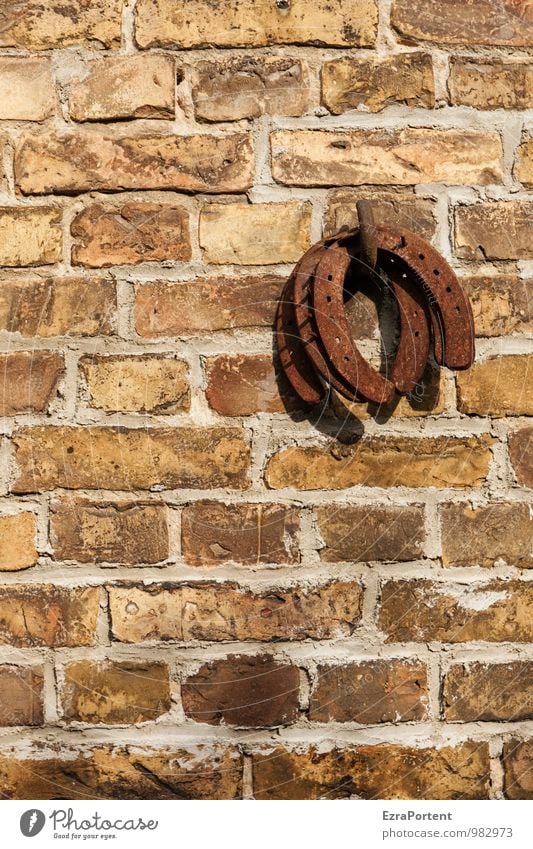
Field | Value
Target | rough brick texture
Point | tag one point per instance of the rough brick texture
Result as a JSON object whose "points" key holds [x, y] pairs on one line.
{"points": [[243, 691], [214, 533], [211, 590]]}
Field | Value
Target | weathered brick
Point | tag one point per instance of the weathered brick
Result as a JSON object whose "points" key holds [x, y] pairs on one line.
{"points": [[373, 84], [481, 536], [245, 384], [124, 773], [419, 610], [387, 771], [404, 157], [29, 380], [145, 383], [68, 306], [370, 692], [499, 386], [487, 22], [47, 615], [220, 303], [428, 399], [17, 542], [523, 170], [30, 236], [491, 692], [85, 161], [214, 533], [27, 90], [127, 459], [112, 692], [491, 84], [400, 208], [518, 776], [125, 532], [130, 234], [494, 230], [125, 87], [243, 691], [521, 455], [255, 234], [501, 305], [227, 612], [255, 23], [30, 25], [370, 532], [21, 695], [388, 461], [249, 86]]}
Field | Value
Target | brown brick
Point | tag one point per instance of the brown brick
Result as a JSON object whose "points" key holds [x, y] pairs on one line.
{"points": [[387, 771], [139, 384], [221, 303], [370, 532], [30, 236], [21, 695], [127, 459], [523, 170], [491, 84], [253, 692], [250, 86], [214, 533], [32, 25], [115, 693], [85, 161], [370, 692], [130, 234], [419, 610], [125, 532], [125, 87], [68, 306], [255, 23], [17, 542], [255, 234], [124, 773], [491, 692], [404, 157], [399, 208], [47, 615], [501, 305], [351, 83], [388, 461], [26, 89], [494, 230], [518, 776], [521, 454], [481, 536], [499, 386], [29, 380], [487, 22], [245, 384], [227, 612]]}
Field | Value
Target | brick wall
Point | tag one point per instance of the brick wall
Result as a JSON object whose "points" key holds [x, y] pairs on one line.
{"points": [[207, 591]]}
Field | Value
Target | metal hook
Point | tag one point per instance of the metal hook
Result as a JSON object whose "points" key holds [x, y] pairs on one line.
{"points": [[367, 231]]}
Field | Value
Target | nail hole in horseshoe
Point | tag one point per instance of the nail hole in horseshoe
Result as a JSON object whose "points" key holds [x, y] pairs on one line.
{"points": [[448, 288], [330, 276], [328, 298], [417, 333], [436, 272], [421, 256]]}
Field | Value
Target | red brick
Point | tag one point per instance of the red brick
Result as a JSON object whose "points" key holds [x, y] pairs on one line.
{"points": [[46, 615], [21, 695], [243, 691]]}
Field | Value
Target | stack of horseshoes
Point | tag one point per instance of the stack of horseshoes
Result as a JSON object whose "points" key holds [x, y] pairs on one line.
{"points": [[315, 345]]}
